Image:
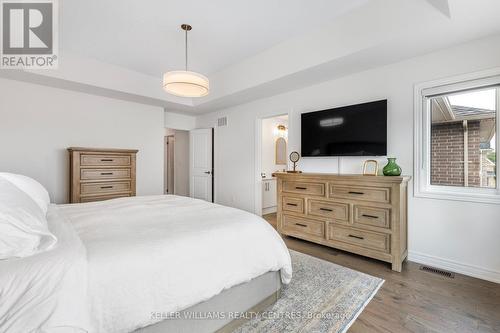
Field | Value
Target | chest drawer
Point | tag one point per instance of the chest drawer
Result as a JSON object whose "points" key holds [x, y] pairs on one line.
{"points": [[367, 239], [103, 188], [300, 226], [291, 204], [304, 188], [376, 194], [98, 174], [104, 160], [373, 216], [332, 210]]}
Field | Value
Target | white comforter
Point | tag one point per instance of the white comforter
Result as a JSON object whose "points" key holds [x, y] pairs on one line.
{"points": [[167, 253], [47, 292]]}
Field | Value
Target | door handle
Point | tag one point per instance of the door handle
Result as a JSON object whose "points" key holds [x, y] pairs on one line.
{"points": [[207, 172]]}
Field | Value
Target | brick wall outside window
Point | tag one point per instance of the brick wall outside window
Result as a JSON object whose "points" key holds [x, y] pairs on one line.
{"points": [[447, 154]]}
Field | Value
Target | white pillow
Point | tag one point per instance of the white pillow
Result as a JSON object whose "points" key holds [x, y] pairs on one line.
{"points": [[31, 187], [23, 226]]}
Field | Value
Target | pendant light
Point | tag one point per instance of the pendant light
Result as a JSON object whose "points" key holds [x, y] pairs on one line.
{"points": [[186, 83]]}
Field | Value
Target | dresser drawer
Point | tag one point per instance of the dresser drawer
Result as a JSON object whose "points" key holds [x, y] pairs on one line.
{"points": [[98, 174], [299, 226], [331, 210], [373, 216], [291, 204], [376, 194], [103, 188], [304, 188], [104, 160], [367, 239], [104, 197]]}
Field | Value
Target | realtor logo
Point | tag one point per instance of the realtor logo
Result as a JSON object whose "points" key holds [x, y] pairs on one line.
{"points": [[29, 34]]}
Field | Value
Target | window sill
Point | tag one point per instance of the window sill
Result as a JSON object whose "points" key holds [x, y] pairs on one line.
{"points": [[444, 194]]}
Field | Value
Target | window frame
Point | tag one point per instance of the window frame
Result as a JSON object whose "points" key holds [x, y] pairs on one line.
{"points": [[422, 138]]}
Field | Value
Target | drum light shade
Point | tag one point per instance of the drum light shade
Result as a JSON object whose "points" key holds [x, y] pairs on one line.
{"points": [[186, 84]]}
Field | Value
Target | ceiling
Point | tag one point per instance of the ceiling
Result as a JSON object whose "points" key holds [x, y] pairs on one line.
{"points": [[248, 49], [145, 35]]}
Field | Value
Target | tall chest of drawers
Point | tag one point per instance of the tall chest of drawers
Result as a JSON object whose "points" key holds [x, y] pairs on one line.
{"points": [[101, 174], [366, 215]]}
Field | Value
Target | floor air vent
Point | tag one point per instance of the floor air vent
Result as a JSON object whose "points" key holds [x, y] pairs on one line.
{"points": [[437, 271]]}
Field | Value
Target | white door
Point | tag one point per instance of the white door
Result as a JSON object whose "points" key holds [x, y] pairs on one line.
{"points": [[200, 164]]}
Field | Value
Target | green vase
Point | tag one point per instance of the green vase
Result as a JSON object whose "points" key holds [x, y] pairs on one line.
{"points": [[392, 169]]}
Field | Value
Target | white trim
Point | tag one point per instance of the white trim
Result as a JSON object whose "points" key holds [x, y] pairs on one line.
{"points": [[258, 155], [257, 167], [455, 266], [215, 160], [421, 121], [269, 210]]}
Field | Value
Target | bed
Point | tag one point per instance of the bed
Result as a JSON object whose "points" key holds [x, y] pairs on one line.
{"points": [[146, 264]]}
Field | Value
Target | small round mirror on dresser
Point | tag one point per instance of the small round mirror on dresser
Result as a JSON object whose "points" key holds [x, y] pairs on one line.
{"points": [[294, 158]]}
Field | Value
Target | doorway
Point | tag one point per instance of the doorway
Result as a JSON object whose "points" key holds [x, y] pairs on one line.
{"points": [[176, 162], [169, 165], [272, 151]]}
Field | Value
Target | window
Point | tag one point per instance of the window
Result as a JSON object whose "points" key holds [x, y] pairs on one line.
{"points": [[456, 138]]}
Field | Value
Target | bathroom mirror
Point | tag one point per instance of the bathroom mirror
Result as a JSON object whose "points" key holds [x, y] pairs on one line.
{"points": [[280, 151]]}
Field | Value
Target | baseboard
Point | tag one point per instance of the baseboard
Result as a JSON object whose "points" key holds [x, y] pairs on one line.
{"points": [[269, 210], [454, 266]]}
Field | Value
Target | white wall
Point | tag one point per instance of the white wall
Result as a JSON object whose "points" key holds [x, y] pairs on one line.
{"points": [[269, 137], [457, 235], [179, 121], [38, 123]]}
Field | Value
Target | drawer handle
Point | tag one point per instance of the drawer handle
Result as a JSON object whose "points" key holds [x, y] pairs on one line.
{"points": [[107, 160], [326, 209], [300, 188], [291, 204], [357, 237], [103, 187], [301, 225], [354, 192], [370, 216], [106, 173]]}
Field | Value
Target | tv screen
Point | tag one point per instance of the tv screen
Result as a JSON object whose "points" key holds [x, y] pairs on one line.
{"points": [[356, 130]]}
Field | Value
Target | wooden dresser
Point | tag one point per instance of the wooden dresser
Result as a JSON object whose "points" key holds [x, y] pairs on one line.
{"points": [[366, 215], [101, 174]]}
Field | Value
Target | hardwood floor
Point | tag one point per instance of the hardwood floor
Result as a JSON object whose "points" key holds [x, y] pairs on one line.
{"points": [[415, 300]]}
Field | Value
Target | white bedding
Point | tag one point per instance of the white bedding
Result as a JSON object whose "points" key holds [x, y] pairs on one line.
{"points": [[47, 292], [167, 253]]}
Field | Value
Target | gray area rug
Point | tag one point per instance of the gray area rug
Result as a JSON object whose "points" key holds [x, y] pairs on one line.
{"points": [[322, 297]]}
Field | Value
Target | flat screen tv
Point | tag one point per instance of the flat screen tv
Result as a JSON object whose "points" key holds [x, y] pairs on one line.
{"points": [[356, 130]]}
